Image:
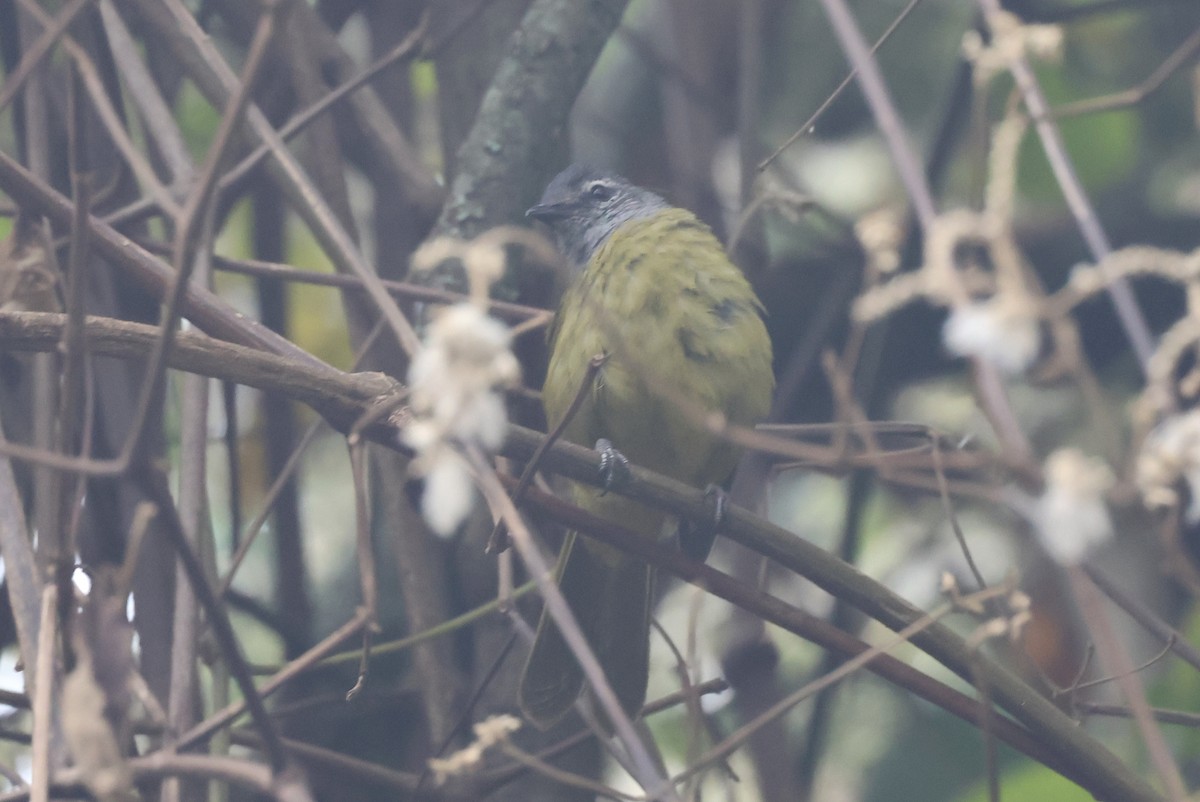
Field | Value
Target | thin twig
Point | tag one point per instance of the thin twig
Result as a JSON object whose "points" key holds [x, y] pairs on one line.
{"points": [[1117, 663], [268, 504], [404, 50], [567, 778], [36, 52], [155, 112], [1147, 663], [939, 471], [494, 779], [1179, 717], [1136, 94], [836, 93], [362, 527], [647, 773], [20, 566], [108, 114], [861, 660], [155, 486], [286, 474], [1077, 200], [193, 513], [43, 695], [1180, 645], [870, 79], [304, 662], [498, 542], [447, 627], [62, 545], [172, 20], [986, 726]]}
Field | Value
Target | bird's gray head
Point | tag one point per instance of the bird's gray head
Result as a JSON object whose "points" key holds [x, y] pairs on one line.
{"points": [[584, 205]]}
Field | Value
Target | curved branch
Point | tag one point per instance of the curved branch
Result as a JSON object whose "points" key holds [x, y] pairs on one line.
{"points": [[339, 397], [342, 398]]}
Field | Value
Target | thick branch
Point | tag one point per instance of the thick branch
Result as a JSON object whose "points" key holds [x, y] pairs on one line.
{"points": [[339, 397], [503, 164]]}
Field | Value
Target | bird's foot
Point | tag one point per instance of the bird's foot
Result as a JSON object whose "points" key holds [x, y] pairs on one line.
{"points": [[696, 539], [614, 467]]}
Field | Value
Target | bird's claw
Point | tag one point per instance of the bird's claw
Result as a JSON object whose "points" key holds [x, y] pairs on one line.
{"points": [[696, 539], [614, 467]]}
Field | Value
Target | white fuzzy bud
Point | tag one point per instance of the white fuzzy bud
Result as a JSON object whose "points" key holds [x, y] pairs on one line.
{"points": [[1071, 516], [1171, 453], [1000, 331], [456, 384]]}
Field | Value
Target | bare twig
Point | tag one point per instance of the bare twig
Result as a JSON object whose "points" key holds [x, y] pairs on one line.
{"points": [[1116, 660], [837, 92], [304, 662], [193, 506], [60, 544], [1179, 643], [23, 579], [403, 51], [874, 87], [735, 741], [155, 487], [1130, 670], [43, 695], [33, 55], [948, 507], [150, 103], [567, 778], [200, 306], [1134, 95], [646, 771], [362, 527], [1179, 717], [1081, 208], [108, 114], [498, 542]]}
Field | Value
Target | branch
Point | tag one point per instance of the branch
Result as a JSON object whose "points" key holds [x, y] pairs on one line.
{"points": [[503, 162], [165, 764], [204, 64], [1128, 311], [202, 307], [339, 397], [1090, 763], [20, 568]]}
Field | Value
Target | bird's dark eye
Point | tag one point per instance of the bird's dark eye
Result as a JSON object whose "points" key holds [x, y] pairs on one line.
{"points": [[599, 190]]}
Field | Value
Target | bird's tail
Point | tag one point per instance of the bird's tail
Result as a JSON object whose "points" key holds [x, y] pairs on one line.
{"points": [[610, 597]]}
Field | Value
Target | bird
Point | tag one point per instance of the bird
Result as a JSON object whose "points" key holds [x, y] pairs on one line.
{"points": [[654, 294]]}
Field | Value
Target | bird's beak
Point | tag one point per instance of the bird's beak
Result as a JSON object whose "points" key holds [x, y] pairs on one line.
{"points": [[547, 212]]}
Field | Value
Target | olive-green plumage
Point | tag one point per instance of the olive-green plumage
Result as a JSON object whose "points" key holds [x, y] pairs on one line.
{"points": [[658, 295]]}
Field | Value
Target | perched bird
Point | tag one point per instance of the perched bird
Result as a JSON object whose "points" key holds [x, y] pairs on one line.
{"points": [[653, 291]]}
